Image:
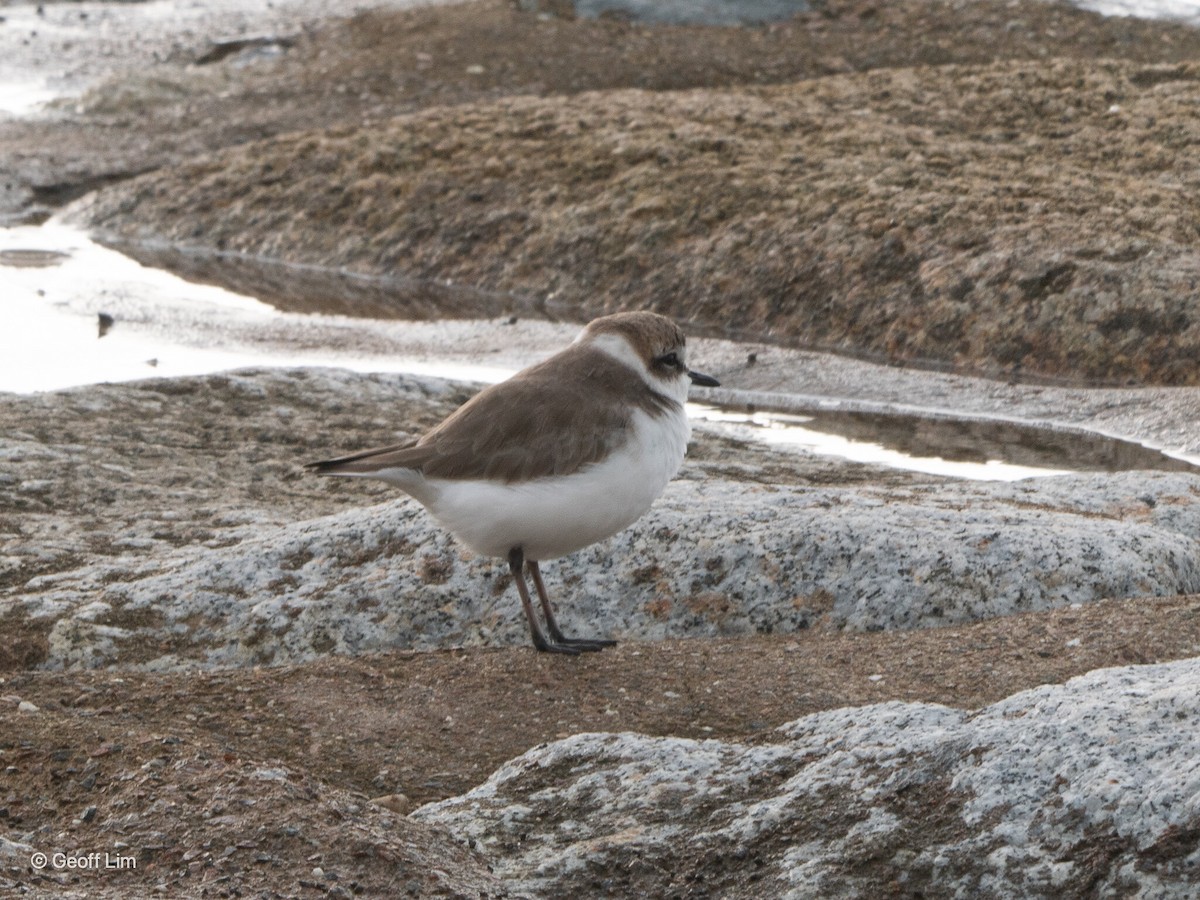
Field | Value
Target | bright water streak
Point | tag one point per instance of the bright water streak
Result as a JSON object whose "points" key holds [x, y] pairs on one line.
{"points": [[1179, 10], [783, 430], [165, 326], [20, 98]]}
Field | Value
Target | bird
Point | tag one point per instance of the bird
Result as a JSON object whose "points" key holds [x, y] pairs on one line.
{"points": [[559, 456]]}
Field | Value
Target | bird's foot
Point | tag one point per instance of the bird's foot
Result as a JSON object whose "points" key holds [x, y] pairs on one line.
{"points": [[588, 645], [558, 643], [571, 646]]}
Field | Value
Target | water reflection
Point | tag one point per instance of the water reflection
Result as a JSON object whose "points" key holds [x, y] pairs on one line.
{"points": [[28, 258], [298, 288], [985, 440], [981, 449]]}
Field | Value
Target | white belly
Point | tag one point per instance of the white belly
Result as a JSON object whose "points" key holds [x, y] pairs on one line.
{"points": [[551, 517]]}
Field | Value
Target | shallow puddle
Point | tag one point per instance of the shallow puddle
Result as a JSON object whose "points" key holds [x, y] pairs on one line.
{"points": [[976, 448], [296, 288], [78, 313]]}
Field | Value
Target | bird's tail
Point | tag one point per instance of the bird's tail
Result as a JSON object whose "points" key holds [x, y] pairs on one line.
{"points": [[371, 462]]}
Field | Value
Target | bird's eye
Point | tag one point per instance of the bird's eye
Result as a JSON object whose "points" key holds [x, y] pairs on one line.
{"points": [[670, 360]]}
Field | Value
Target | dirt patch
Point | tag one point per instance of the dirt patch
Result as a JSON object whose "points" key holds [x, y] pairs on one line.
{"points": [[26, 643], [223, 781], [1012, 219], [168, 810], [380, 63]]}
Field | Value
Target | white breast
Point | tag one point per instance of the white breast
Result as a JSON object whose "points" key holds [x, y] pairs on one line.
{"points": [[551, 517]]}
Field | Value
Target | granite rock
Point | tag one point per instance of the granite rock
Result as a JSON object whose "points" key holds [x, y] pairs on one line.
{"points": [[709, 559], [168, 523], [1082, 789]]}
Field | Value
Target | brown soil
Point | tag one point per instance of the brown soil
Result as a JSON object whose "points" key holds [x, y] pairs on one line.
{"points": [[383, 63], [837, 213], [180, 768], [1033, 217]]}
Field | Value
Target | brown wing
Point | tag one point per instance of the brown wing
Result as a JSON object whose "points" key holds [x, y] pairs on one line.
{"points": [[551, 419]]}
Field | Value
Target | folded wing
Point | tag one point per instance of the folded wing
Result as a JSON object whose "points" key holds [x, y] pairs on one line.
{"points": [[547, 421]]}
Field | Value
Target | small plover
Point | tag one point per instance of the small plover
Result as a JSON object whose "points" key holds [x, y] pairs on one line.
{"points": [[561, 455]]}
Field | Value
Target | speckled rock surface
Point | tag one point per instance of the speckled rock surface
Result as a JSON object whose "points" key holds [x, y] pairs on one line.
{"points": [[1082, 789], [168, 523], [710, 559]]}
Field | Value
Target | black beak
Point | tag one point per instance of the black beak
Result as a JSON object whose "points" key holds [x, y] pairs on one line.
{"points": [[703, 380]]}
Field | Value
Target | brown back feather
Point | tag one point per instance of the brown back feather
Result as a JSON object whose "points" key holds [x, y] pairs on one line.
{"points": [[559, 416], [552, 419]]}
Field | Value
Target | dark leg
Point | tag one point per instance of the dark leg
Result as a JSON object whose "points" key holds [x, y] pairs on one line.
{"points": [[516, 565], [552, 623]]}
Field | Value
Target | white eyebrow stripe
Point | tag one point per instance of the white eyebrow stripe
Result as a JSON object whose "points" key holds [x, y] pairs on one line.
{"points": [[619, 349]]}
